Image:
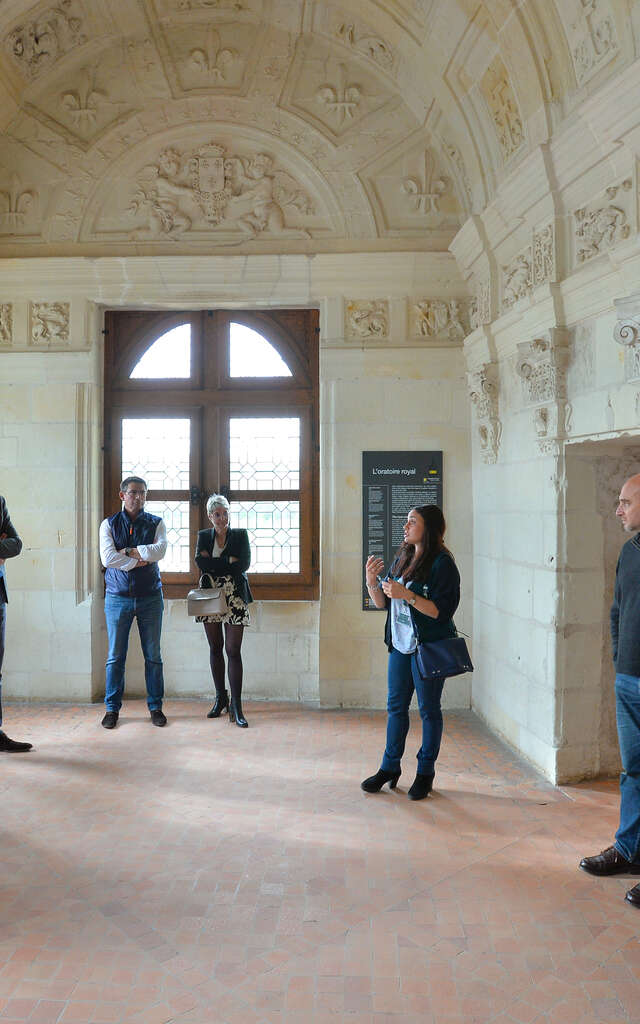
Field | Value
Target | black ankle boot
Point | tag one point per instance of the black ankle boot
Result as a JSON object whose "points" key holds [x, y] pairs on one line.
{"points": [[421, 786], [375, 782], [236, 715], [221, 704]]}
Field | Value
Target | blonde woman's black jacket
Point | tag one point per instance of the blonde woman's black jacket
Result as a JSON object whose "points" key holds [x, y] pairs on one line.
{"points": [[237, 546]]}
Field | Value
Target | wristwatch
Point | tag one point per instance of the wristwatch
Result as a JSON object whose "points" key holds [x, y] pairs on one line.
{"points": [[412, 601], [127, 552]]}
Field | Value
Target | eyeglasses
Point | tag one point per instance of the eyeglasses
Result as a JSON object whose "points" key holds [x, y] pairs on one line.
{"points": [[136, 494]]}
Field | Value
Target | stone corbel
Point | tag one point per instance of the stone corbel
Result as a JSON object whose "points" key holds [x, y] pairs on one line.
{"points": [[484, 387], [542, 368]]}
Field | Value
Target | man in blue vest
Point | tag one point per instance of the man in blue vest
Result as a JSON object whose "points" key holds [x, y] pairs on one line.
{"points": [[10, 546], [132, 542]]}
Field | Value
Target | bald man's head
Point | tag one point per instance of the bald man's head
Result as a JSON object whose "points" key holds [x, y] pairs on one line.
{"points": [[628, 510]]}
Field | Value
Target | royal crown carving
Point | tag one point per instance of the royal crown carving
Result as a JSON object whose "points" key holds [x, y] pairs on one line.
{"points": [[6, 324], [598, 227], [432, 318], [503, 106], [424, 194], [37, 44], [49, 324], [484, 386], [367, 319], [248, 194]]}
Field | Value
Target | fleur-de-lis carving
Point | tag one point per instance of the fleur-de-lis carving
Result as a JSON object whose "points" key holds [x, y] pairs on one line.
{"points": [[82, 103], [425, 195], [341, 99], [212, 61], [14, 203]]}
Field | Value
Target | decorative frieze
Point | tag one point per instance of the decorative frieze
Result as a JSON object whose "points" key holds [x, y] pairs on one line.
{"points": [[367, 319], [248, 194], [603, 223], [503, 106], [37, 44], [49, 325], [424, 194], [6, 324], [436, 318]]}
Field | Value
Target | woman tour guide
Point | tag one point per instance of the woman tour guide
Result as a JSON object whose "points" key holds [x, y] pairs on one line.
{"points": [[225, 554], [420, 592]]}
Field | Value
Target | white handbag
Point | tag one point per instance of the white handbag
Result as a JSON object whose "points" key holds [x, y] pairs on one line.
{"points": [[206, 600]]}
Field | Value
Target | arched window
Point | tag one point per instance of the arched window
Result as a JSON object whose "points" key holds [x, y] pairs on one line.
{"points": [[214, 401]]}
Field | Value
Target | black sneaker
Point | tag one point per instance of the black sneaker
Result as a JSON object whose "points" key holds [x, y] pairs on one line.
{"points": [[158, 718], [109, 720]]}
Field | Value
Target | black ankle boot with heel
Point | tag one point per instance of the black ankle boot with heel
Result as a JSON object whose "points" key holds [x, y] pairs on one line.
{"points": [[375, 782], [236, 715], [420, 787], [221, 704]]}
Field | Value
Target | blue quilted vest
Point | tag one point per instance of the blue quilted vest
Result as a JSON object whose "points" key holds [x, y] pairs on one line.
{"points": [[129, 533]]}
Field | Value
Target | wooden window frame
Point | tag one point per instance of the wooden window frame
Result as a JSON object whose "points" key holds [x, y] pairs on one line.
{"points": [[210, 397]]}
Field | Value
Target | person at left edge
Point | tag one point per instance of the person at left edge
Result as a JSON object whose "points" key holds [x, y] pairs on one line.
{"points": [[10, 546], [132, 542]]}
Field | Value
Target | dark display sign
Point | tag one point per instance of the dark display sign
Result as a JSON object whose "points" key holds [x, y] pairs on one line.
{"points": [[392, 484]]}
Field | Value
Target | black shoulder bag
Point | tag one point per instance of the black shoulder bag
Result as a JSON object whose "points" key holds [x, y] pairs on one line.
{"points": [[444, 658]]}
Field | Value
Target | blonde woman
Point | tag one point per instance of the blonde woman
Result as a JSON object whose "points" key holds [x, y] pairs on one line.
{"points": [[225, 554]]}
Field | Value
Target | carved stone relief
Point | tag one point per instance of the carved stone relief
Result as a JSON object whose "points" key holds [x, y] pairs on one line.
{"points": [[82, 103], [424, 193], [627, 333], [455, 156], [49, 324], [249, 194], [6, 324], [602, 224], [431, 318], [544, 255], [367, 44], [483, 386], [367, 319], [213, 56], [542, 368], [501, 99], [480, 306], [212, 61], [517, 279], [16, 202], [341, 97], [37, 44], [592, 37]]}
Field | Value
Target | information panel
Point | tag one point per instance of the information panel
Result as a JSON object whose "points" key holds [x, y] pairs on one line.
{"points": [[392, 484]]}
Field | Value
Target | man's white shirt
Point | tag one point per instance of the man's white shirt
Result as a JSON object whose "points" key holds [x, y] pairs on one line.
{"points": [[111, 558]]}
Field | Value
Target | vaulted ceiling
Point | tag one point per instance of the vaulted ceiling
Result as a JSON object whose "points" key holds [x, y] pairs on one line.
{"points": [[156, 126]]}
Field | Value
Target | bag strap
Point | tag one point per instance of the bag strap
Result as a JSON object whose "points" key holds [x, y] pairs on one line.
{"points": [[206, 576]]}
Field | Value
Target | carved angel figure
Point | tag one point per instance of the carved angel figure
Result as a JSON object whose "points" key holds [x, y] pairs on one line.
{"points": [[159, 198], [259, 194], [598, 228]]}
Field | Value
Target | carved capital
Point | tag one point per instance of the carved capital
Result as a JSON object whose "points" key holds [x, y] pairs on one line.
{"points": [[627, 333], [542, 368], [484, 386]]}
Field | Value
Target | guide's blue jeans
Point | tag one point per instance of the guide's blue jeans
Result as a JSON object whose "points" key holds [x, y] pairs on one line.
{"points": [[3, 619], [402, 679], [628, 721], [120, 612]]}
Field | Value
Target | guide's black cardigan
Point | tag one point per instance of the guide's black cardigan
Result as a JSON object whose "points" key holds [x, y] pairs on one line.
{"points": [[625, 610], [237, 546]]}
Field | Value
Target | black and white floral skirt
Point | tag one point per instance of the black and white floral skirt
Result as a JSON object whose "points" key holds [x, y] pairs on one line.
{"points": [[237, 613]]}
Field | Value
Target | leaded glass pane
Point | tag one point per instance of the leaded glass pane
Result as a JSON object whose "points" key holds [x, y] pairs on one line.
{"points": [[274, 533], [251, 355], [168, 357], [264, 454], [158, 451], [176, 520]]}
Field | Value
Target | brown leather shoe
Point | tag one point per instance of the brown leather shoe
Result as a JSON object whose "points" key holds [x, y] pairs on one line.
{"points": [[633, 896], [609, 862]]}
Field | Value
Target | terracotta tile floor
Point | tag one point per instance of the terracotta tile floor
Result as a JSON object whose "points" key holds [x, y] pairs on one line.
{"points": [[204, 874]]}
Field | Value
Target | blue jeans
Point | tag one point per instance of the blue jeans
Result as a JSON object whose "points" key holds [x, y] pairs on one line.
{"points": [[628, 721], [120, 612], [402, 679], [3, 619]]}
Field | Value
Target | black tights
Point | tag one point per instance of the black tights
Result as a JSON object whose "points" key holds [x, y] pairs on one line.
{"points": [[231, 643]]}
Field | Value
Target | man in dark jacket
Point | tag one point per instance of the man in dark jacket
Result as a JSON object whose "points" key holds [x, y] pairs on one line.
{"points": [[10, 546], [624, 856], [132, 542]]}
